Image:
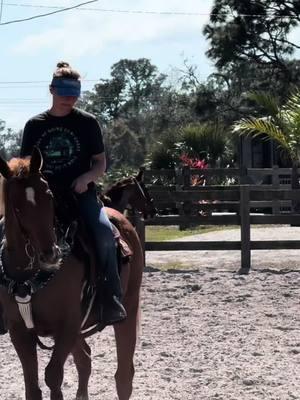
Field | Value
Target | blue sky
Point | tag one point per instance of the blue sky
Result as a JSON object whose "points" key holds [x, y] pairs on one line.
{"points": [[91, 41]]}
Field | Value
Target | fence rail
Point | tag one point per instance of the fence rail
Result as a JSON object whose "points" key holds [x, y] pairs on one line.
{"points": [[241, 205]]}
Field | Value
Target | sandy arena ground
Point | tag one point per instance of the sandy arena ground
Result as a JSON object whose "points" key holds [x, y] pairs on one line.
{"points": [[207, 332]]}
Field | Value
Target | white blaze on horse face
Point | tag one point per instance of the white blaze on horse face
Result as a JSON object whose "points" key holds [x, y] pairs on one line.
{"points": [[30, 195]]}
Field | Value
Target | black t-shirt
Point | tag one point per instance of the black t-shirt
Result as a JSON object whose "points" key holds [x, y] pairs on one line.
{"points": [[66, 143]]}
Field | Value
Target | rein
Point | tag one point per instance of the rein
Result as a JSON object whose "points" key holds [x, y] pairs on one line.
{"points": [[28, 286], [140, 187], [24, 290]]}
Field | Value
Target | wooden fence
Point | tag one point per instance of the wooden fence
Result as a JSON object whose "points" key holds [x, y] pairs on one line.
{"points": [[239, 204]]}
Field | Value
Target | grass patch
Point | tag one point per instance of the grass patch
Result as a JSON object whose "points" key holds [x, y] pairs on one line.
{"points": [[174, 265], [161, 233]]}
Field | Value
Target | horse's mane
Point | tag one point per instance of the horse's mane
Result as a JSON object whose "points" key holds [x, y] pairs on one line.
{"points": [[113, 192], [19, 167]]}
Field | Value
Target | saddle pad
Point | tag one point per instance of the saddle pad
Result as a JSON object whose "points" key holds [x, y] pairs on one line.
{"points": [[124, 248]]}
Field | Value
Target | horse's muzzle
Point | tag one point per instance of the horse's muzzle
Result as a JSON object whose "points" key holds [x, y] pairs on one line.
{"points": [[50, 259]]}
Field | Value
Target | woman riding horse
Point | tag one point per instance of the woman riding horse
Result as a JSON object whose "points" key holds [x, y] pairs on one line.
{"points": [[41, 288], [71, 144]]}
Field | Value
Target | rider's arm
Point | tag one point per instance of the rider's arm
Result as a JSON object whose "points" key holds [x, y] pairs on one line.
{"points": [[98, 167]]}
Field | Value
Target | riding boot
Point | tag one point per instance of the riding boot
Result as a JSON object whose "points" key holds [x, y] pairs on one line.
{"points": [[112, 309], [102, 238]]}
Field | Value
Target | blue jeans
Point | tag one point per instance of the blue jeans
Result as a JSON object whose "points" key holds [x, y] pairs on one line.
{"points": [[101, 234]]}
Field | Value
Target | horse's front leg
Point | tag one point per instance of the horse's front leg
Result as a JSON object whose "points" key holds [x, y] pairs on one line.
{"points": [[126, 336], [24, 342], [64, 340], [82, 358]]}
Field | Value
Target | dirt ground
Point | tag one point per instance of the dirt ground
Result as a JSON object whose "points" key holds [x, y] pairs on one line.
{"points": [[206, 332]]}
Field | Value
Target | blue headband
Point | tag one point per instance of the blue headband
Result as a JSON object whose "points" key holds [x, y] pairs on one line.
{"points": [[66, 87]]}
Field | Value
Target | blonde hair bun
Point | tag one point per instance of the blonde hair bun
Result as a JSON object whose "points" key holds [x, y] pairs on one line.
{"points": [[64, 70]]}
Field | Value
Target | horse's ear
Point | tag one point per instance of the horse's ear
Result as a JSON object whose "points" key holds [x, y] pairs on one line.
{"points": [[36, 161], [140, 176], [4, 169]]}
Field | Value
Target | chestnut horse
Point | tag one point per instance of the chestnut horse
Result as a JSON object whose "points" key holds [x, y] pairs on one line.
{"points": [[130, 194], [30, 253]]}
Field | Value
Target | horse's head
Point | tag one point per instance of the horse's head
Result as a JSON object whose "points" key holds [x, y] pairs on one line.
{"points": [[144, 202], [29, 210], [130, 193]]}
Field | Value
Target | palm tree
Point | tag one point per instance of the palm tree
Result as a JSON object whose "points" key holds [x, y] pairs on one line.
{"points": [[282, 125], [209, 141]]}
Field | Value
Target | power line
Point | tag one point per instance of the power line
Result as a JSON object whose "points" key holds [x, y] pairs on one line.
{"points": [[150, 12], [41, 84], [47, 14], [6, 100], [111, 10], [34, 82]]}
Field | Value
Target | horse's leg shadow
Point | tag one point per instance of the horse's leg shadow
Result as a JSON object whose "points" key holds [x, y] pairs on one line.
{"points": [[126, 336], [82, 358], [24, 342]]}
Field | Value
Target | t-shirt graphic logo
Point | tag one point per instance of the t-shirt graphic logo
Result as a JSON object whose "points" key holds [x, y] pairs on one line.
{"points": [[60, 148]]}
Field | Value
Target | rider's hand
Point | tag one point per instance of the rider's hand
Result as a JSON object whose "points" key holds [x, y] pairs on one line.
{"points": [[80, 184]]}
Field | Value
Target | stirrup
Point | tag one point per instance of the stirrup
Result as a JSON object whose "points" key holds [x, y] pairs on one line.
{"points": [[113, 312]]}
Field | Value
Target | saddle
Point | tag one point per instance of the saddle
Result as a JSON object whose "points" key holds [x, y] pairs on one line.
{"points": [[72, 233]]}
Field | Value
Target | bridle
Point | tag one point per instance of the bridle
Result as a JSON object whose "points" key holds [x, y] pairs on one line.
{"points": [[30, 250], [140, 187], [145, 195]]}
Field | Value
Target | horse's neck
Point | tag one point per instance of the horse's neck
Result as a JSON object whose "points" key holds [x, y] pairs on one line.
{"points": [[121, 201]]}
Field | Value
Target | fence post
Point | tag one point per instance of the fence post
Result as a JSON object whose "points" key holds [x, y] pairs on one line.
{"points": [[185, 184], [245, 229], [243, 175], [275, 184]]}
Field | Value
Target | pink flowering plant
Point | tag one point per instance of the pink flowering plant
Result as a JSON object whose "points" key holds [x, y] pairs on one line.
{"points": [[193, 162]]}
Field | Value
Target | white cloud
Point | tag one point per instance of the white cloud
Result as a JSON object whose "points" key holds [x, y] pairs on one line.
{"points": [[82, 32]]}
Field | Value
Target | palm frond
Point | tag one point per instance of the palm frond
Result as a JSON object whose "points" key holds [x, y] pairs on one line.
{"points": [[265, 100], [202, 139], [261, 127], [281, 125], [293, 102]]}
